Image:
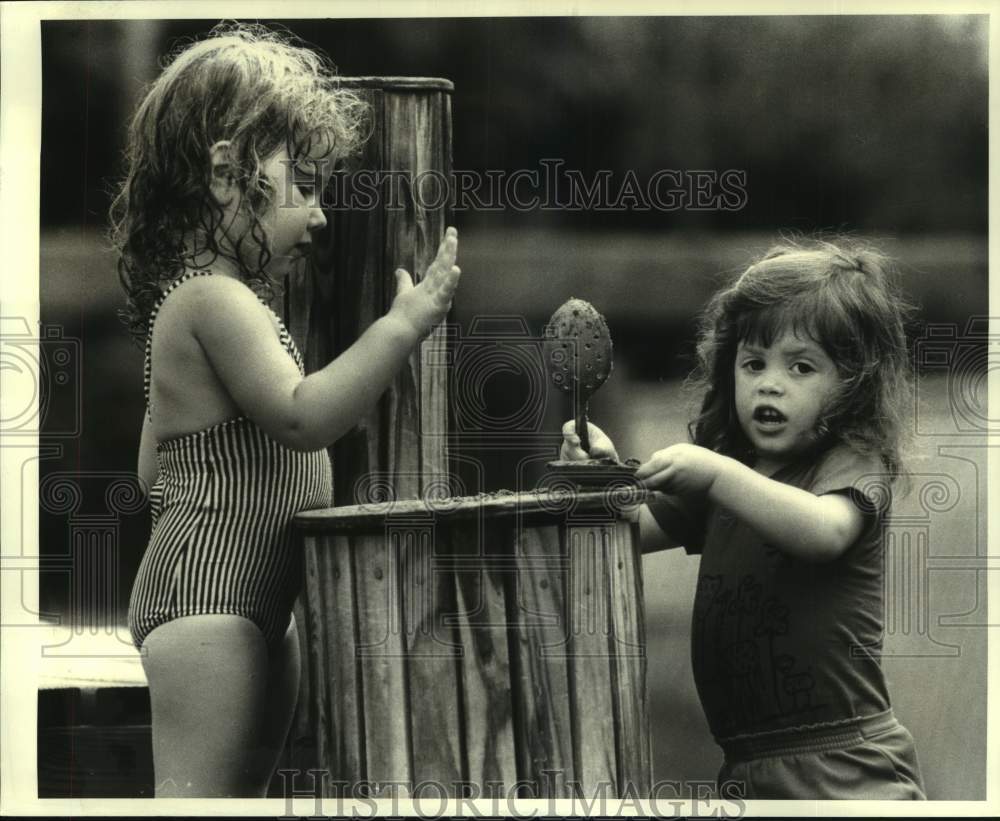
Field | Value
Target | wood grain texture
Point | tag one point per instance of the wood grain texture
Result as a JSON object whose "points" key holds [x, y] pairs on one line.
{"points": [[381, 653], [403, 437], [482, 583], [628, 671], [343, 734], [540, 663], [432, 655], [332, 671], [590, 658], [530, 507]]}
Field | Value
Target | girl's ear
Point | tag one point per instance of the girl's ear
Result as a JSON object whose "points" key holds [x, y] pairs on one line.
{"points": [[223, 185]]}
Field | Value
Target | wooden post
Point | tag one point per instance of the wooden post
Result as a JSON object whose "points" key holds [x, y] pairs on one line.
{"points": [[509, 657], [391, 213], [399, 449], [484, 641]]}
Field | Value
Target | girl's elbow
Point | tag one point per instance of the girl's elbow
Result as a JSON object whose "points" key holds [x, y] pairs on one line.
{"points": [[307, 436], [298, 437], [830, 547]]}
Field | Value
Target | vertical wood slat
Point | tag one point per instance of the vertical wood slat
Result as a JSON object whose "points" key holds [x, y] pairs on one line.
{"points": [[485, 665], [590, 674], [434, 154], [431, 657], [329, 609], [343, 734], [311, 606], [382, 658], [540, 684], [628, 672]]}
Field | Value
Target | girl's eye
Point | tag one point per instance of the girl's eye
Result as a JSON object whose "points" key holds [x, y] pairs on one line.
{"points": [[802, 368], [754, 365]]}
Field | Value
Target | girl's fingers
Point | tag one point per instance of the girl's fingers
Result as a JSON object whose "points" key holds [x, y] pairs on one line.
{"points": [[572, 452], [404, 282], [659, 479], [448, 249], [651, 467]]}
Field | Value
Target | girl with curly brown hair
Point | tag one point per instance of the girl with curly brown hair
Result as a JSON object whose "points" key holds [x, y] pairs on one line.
{"points": [[219, 200]]}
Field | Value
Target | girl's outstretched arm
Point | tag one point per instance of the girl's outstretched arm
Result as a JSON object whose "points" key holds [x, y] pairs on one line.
{"points": [[803, 525], [313, 412]]}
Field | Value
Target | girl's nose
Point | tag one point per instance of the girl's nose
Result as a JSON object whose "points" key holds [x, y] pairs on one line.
{"points": [[317, 219], [770, 384]]}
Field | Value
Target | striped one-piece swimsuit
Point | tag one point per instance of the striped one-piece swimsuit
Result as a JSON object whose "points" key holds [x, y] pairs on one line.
{"points": [[221, 506]]}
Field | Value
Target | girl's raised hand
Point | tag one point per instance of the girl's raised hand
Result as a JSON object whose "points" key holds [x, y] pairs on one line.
{"points": [[600, 445], [681, 468], [423, 306]]}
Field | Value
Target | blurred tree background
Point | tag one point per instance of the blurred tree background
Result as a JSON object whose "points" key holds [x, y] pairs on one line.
{"points": [[870, 125]]}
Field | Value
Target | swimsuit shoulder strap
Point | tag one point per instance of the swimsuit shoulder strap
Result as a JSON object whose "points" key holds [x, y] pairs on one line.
{"points": [[283, 335], [147, 367], [287, 340]]}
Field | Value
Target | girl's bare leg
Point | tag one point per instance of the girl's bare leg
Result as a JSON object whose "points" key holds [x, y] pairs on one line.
{"points": [[208, 687]]}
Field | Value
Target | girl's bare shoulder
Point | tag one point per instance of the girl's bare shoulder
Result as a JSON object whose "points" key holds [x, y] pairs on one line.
{"points": [[202, 304]]}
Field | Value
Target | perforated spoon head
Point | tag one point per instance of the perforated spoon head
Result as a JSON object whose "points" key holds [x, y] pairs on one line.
{"points": [[578, 349]]}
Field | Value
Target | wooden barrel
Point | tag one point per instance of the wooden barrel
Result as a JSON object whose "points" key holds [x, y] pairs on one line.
{"points": [[489, 645], [400, 445]]}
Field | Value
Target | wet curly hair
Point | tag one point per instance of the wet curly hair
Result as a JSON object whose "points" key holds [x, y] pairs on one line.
{"points": [[256, 87], [842, 295]]}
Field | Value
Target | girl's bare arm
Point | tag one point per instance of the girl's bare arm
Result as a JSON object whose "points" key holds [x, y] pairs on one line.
{"points": [[800, 523], [806, 526], [313, 412], [652, 537]]}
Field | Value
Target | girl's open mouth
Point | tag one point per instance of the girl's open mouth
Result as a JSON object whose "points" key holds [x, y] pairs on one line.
{"points": [[766, 415]]}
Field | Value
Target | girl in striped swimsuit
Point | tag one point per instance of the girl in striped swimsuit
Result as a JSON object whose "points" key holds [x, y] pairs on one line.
{"points": [[218, 203]]}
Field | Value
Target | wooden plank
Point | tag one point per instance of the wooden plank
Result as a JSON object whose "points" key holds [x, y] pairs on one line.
{"points": [[383, 661], [310, 720], [405, 232], [540, 670], [432, 156], [487, 706], [432, 657], [343, 742], [628, 671], [330, 668], [540, 506], [590, 659]]}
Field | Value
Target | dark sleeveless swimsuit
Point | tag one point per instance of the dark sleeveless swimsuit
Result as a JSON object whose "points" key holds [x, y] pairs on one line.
{"points": [[221, 507]]}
